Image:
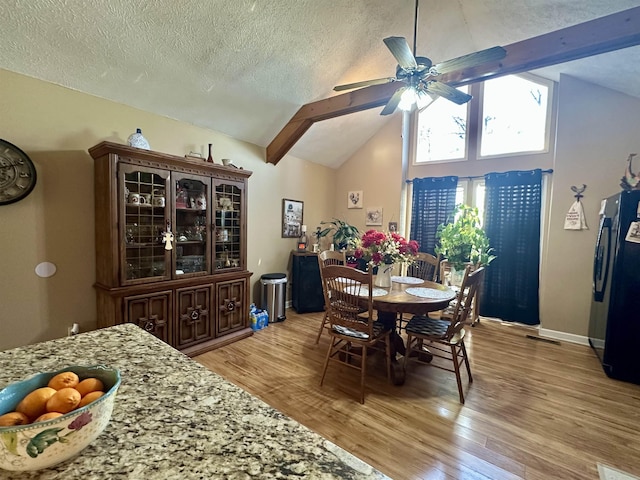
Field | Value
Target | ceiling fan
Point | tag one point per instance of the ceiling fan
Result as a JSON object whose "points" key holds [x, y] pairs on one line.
{"points": [[418, 75]]}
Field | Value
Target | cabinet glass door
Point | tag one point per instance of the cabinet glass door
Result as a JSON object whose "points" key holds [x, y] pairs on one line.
{"points": [[192, 196], [142, 192], [228, 225]]}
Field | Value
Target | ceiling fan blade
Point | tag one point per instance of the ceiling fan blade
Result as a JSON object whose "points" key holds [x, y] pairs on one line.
{"points": [[471, 60], [450, 93], [402, 53], [393, 102], [365, 83]]}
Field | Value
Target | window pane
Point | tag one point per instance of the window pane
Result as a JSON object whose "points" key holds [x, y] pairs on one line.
{"points": [[461, 194], [514, 116], [478, 200], [442, 131]]}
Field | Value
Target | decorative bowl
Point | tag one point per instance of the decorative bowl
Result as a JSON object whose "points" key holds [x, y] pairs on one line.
{"points": [[44, 444]]}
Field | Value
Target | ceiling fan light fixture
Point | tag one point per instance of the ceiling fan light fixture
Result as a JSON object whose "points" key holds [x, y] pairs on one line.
{"points": [[413, 97], [408, 99]]}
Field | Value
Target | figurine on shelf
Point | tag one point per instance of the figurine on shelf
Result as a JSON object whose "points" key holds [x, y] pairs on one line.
{"points": [[181, 198], [167, 239]]}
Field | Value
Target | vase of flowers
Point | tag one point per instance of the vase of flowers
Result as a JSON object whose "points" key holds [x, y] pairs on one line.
{"points": [[383, 250]]}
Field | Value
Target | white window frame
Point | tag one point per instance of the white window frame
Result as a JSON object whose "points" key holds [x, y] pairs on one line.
{"points": [[474, 121], [547, 133], [415, 127]]}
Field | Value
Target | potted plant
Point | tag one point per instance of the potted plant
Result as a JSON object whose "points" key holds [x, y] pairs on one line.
{"points": [[345, 236], [464, 241]]}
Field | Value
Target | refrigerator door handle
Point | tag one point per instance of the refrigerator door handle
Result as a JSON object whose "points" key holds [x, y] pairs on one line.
{"points": [[602, 255]]}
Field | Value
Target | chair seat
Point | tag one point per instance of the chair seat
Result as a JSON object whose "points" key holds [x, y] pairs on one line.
{"points": [[378, 330], [429, 327]]}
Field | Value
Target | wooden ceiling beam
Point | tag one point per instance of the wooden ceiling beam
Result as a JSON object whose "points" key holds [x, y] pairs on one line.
{"points": [[605, 34], [602, 35], [351, 102]]}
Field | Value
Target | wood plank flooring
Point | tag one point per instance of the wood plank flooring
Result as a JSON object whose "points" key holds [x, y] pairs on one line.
{"points": [[535, 410]]}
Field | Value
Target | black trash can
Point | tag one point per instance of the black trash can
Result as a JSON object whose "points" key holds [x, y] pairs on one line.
{"points": [[274, 295]]}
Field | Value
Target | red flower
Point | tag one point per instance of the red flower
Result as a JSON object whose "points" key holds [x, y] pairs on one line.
{"points": [[380, 247]]}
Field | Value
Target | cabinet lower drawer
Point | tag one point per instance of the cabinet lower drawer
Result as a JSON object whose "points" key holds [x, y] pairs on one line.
{"points": [[151, 313], [193, 316]]}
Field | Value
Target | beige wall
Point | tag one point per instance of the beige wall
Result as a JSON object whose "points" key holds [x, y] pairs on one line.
{"points": [[55, 127], [597, 130], [374, 169]]}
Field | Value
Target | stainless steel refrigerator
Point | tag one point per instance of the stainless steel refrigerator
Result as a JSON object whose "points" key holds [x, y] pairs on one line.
{"points": [[614, 325]]}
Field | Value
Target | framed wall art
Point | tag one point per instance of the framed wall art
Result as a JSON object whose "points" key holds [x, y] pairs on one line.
{"points": [[292, 211], [354, 199], [374, 216]]}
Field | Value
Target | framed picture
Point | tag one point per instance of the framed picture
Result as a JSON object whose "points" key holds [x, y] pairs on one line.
{"points": [[354, 199], [374, 216], [291, 218], [393, 227]]}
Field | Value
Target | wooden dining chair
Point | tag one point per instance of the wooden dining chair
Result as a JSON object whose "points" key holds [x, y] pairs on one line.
{"points": [[325, 258], [426, 267], [353, 330], [445, 279], [445, 338]]}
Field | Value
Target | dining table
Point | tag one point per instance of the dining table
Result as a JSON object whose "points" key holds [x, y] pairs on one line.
{"points": [[407, 295]]}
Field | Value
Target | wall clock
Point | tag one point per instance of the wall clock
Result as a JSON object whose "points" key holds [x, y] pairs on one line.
{"points": [[17, 173]]}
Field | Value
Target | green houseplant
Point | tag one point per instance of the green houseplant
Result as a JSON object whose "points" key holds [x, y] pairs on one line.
{"points": [[345, 236], [464, 241]]}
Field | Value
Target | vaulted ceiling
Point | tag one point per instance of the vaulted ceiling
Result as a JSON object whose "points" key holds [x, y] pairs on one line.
{"points": [[244, 67]]}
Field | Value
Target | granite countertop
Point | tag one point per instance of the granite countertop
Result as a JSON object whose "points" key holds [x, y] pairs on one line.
{"points": [[173, 418]]}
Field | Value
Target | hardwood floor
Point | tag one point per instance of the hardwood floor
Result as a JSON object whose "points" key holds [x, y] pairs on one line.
{"points": [[535, 410]]}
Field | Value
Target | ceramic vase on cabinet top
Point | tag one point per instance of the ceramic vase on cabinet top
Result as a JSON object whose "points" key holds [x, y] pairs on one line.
{"points": [[138, 141]]}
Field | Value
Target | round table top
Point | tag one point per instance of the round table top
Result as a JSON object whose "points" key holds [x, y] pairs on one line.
{"points": [[413, 297]]}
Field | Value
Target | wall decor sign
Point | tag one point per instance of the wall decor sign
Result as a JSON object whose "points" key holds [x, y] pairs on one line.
{"points": [[374, 216], [292, 211], [354, 199]]}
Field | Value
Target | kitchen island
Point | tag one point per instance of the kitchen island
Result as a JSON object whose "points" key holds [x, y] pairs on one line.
{"points": [[173, 418]]}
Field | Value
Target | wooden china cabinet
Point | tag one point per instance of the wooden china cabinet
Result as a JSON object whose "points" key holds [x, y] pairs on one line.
{"points": [[171, 246]]}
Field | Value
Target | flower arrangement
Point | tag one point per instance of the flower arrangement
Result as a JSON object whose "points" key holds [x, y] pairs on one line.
{"points": [[385, 247]]}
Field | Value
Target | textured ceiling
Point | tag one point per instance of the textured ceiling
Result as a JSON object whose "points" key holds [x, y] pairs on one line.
{"points": [[244, 67]]}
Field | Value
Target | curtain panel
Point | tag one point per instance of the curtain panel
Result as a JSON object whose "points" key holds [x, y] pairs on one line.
{"points": [[433, 203], [513, 203]]}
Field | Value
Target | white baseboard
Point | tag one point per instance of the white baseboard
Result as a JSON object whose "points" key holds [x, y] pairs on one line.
{"points": [[546, 333], [567, 337]]}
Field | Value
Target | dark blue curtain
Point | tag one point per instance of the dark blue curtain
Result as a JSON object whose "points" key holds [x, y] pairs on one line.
{"points": [[512, 222], [433, 203]]}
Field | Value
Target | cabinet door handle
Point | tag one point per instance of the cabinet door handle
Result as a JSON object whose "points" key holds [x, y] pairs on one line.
{"points": [[231, 306], [149, 326], [195, 315]]}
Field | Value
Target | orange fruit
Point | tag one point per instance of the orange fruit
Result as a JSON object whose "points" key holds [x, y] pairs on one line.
{"points": [[90, 397], [35, 403], [64, 400], [47, 416], [13, 418], [89, 385], [64, 380]]}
